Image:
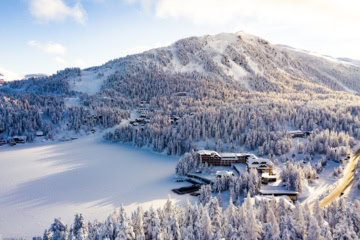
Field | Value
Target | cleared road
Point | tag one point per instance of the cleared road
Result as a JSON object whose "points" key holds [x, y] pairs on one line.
{"points": [[349, 174]]}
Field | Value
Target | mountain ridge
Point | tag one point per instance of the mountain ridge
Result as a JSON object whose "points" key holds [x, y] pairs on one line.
{"points": [[254, 63], [242, 57]]}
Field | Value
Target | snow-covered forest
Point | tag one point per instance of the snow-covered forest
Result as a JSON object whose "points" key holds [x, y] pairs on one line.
{"points": [[239, 90], [254, 219], [228, 92], [34, 105]]}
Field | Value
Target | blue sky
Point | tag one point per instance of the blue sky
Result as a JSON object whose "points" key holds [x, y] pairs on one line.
{"points": [[43, 36]]}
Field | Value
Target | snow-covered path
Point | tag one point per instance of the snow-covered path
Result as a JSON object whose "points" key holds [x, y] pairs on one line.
{"points": [[345, 182], [41, 182]]}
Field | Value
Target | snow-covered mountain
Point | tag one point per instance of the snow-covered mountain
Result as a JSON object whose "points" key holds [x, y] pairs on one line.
{"points": [[236, 72], [253, 63]]}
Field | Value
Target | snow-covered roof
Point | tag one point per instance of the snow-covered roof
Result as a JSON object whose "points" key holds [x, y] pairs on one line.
{"points": [[267, 175], [251, 155], [251, 160], [270, 190], [295, 132], [256, 162], [224, 173], [228, 156], [207, 152]]}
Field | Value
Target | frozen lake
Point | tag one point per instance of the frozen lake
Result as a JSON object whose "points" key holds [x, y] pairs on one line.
{"points": [[89, 176]]}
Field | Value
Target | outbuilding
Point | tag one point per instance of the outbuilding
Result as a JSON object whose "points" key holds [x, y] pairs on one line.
{"points": [[39, 133], [279, 191]]}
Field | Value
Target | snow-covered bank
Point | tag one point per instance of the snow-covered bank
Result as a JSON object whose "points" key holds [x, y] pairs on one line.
{"points": [[89, 176]]}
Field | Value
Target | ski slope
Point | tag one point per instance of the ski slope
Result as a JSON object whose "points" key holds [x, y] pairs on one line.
{"points": [[39, 182]]}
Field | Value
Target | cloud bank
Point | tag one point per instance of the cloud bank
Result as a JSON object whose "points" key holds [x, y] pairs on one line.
{"points": [[225, 11]]}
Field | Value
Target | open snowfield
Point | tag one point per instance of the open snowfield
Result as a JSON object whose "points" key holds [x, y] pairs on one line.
{"points": [[39, 182]]}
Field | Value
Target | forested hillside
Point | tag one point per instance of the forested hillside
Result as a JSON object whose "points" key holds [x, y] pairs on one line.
{"points": [[252, 220], [236, 90]]}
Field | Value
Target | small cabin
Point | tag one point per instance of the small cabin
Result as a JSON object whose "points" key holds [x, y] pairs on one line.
{"points": [[298, 133], [140, 120], [266, 178], [19, 139], [263, 165]]}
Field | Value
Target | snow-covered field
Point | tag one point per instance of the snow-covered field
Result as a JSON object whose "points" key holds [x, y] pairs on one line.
{"points": [[39, 182]]}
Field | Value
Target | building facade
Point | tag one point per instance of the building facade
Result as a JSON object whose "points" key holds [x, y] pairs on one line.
{"points": [[214, 158]]}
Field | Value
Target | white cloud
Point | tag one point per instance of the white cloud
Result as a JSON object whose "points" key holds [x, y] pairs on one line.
{"points": [[10, 75], [327, 26], [224, 11], [50, 47], [56, 10]]}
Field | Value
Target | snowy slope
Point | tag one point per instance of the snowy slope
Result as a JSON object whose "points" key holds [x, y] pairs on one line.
{"points": [[239, 57], [90, 80]]}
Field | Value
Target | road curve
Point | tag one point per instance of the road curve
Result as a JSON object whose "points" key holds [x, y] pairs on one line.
{"points": [[349, 174]]}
